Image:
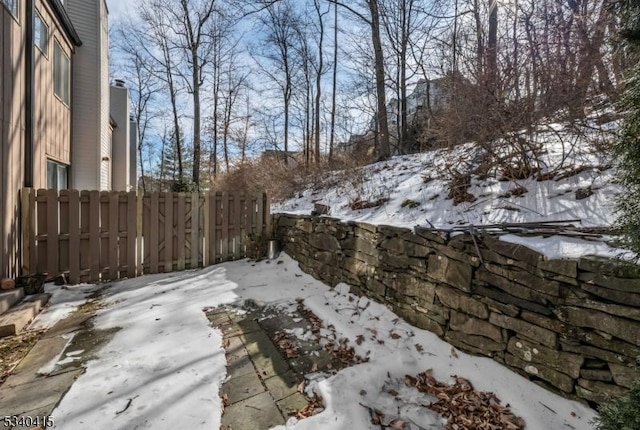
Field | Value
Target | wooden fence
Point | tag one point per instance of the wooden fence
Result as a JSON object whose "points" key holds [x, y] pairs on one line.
{"points": [[91, 236]]}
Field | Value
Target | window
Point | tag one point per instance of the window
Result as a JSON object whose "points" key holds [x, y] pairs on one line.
{"points": [[61, 74], [41, 34], [12, 5], [56, 175]]}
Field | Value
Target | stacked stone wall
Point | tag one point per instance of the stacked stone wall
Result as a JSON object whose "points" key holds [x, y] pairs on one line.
{"points": [[571, 325]]}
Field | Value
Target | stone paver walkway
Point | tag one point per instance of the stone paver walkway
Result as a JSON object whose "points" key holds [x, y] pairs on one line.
{"points": [[261, 389]]}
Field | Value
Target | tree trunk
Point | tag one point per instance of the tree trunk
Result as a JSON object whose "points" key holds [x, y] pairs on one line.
{"points": [[384, 150], [332, 136], [318, 83], [196, 118]]}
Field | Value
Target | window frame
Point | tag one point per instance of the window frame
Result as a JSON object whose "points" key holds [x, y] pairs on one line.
{"points": [[15, 12], [56, 174], [64, 67], [45, 27]]}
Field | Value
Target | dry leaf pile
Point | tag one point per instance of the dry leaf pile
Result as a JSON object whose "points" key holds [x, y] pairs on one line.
{"points": [[286, 343], [314, 407], [465, 408], [14, 348]]}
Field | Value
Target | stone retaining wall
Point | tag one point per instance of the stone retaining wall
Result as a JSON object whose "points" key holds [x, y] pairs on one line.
{"points": [[573, 326]]}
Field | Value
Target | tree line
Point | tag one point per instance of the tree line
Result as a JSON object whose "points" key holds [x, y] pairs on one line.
{"points": [[213, 81]]}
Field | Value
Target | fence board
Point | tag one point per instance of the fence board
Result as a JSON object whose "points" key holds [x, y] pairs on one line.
{"points": [[237, 222], [123, 234], [63, 233], [74, 236], [153, 233], [225, 205], [132, 234], [53, 250], [206, 233], [94, 235], [139, 228], [181, 236], [98, 236], [195, 230]]}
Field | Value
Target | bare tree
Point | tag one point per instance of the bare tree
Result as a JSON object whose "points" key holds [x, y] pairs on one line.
{"points": [[144, 90], [372, 19], [278, 21], [191, 19]]}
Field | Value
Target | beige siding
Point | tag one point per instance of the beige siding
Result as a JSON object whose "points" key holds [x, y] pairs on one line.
{"points": [[89, 119], [12, 67], [52, 117]]}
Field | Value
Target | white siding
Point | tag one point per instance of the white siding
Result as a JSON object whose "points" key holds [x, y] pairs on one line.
{"points": [[90, 137]]}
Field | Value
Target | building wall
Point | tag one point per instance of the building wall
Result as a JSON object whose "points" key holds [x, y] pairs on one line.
{"points": [[90, 93], [105, 105], [12, 69], [52, 117], [133, 157], [52, 122], [120, 146]]}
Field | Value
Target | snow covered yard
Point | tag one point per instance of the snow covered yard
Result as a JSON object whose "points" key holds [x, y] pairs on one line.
{"points": [[571, 179], [164, 366]]}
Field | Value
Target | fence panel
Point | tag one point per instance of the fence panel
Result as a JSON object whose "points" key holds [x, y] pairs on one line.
{"points": [[92, 236]]}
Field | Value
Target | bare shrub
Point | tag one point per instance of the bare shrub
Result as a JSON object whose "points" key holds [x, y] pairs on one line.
{"points": [[282, 181]]}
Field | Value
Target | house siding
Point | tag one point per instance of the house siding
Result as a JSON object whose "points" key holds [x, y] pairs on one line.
{"points": [[52, 117], [12, 67], [90, 117], [52, 122]]}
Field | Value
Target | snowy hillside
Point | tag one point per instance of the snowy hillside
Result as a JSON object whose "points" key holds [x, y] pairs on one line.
{"points": [[571, 179]]}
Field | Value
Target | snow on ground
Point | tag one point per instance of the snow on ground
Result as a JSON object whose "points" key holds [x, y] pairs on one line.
{"points": [[164, 367], [423, 180], [63, 301]]}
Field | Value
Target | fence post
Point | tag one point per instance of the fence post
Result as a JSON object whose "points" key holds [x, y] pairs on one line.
{"points": [[139, 248]]}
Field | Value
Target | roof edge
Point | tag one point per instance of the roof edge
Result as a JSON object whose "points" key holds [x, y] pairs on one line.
{"points": [[62, 15]]}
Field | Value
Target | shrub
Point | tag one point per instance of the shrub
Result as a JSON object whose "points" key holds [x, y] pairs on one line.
{"points": [[622, 413]]}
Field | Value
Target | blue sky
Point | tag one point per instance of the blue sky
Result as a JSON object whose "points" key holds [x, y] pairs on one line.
{"points": [[117, 8]]}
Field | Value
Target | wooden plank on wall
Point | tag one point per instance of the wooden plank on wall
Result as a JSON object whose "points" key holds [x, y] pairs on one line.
{"points": [[153, 233], [53, 256], [94, 235], [181, 222], [74, 237], [169, 255]]}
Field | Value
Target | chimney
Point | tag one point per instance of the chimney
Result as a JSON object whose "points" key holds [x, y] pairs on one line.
{"points": [[119, 83]]}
